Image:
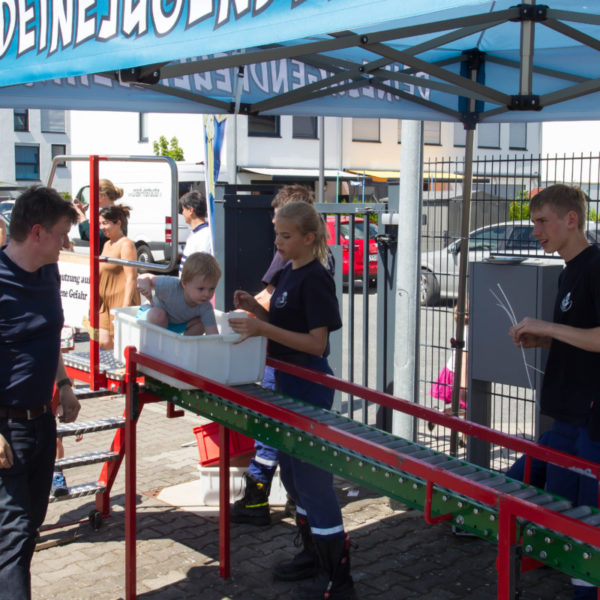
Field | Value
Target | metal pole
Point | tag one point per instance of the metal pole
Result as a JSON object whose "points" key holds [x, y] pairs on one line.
{"points": [[130, 476], [463, 266], [94, 218], [321, 192], [462, 284], [224, 529], [406, 329]]}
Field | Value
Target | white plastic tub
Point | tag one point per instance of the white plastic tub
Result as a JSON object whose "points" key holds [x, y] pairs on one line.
{"points": [[213, 356], [209, 486]]}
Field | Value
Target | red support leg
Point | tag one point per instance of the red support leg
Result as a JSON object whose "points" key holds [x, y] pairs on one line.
{"points": [[224, 523], [130, 479], [507, 526], [94, 273]]}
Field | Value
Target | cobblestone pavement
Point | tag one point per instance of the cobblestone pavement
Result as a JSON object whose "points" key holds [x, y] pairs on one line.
{"points": [[398, 556]]}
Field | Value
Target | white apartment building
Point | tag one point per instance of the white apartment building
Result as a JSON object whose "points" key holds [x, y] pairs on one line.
{"points": [[30, 140], [286, 148]]}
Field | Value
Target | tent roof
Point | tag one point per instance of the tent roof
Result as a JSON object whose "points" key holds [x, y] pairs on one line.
{"points": [[361, 58]]}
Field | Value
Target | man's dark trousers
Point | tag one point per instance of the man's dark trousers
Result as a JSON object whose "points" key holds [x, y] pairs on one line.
{"points": [[24, 492]]}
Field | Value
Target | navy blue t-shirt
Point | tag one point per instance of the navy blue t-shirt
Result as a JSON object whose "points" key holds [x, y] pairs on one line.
{"points": [[31, 318], [303, 299], [571, 375]]}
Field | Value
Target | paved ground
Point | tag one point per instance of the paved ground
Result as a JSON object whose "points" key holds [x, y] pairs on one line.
{"points": [[397, 557]]}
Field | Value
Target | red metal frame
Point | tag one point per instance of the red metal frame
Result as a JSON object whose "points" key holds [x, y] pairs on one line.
{"points": [[94, 220], [509, 507], [224, 525]]}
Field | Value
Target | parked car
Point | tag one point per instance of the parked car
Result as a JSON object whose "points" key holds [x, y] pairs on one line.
{"points": [[439, 268], [5, 211], [359, 241]]}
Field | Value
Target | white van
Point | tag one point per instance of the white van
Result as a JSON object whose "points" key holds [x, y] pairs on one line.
{"points": [[147, 191]]}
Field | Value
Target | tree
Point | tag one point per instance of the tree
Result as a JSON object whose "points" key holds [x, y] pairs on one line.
{"points": [[171, 148], [519, 208]]}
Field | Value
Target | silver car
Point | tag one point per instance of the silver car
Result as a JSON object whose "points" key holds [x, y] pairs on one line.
{"points": [[439, 268]]}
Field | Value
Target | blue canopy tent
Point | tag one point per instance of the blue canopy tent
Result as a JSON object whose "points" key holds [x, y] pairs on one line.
{"points": [[346, 57], [453, 60], [459, 60]]}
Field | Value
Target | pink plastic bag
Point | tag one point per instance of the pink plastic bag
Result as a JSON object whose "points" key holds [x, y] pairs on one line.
{"points": [[442, 388]]}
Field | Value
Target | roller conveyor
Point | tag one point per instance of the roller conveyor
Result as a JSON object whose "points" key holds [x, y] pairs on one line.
{"points": [[553, 549]]}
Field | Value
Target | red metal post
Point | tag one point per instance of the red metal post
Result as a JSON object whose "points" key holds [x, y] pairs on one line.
{"points": [[109, 472], [94, 273], [172, 413], [130, 476], [224, 525], [507, 525], [427, 512]]}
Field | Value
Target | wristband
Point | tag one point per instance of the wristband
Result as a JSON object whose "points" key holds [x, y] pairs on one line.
{"points": [[63, 382]]}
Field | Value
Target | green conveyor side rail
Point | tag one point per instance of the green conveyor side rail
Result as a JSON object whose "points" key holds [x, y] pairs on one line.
{"points": [[551, 548]]}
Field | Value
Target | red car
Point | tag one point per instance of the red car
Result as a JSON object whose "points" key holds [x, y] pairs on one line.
{"points": [[358, 253]]}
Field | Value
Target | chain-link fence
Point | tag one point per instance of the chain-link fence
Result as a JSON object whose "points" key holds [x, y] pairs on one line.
{"points": [[499, 225]]}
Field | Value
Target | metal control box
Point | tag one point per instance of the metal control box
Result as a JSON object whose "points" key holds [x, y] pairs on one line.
{"points": [[525, 289]]}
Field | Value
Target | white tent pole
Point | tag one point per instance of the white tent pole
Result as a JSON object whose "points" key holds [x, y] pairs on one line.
{"points": [[408, 258]]}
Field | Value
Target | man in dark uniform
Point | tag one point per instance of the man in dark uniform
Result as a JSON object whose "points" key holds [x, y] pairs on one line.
{"points": [[31, 318], [570, 387]]}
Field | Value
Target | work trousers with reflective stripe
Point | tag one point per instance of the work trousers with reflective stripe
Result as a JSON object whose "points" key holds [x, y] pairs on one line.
{"points": [[311, 487]]}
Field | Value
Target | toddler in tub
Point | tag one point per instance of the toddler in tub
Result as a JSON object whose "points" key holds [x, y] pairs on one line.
{"points": [[182, 305]]}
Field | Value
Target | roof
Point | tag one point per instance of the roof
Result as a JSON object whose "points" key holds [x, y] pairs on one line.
{"points": [[384, 175], [309, 173]]}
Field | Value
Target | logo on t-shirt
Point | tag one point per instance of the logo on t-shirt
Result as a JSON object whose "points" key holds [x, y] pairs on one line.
{"points": [[281, 300], [566, 303]]}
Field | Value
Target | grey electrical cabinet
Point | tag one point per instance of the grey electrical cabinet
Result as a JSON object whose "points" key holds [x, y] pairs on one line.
{"points": [[500, 292], [526, 289]]}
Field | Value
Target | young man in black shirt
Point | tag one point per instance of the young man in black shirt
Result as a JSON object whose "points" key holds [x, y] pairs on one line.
{"points": [[570, 388]]}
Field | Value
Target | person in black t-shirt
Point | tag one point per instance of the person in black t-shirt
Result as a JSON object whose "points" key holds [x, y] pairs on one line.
{"points": [[31, 319], [302, 311], [570, 386], [253, 506]]}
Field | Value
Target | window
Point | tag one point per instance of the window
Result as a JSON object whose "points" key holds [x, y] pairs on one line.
{"points": [[305, 128], [432, 133], [21, 119], [53, 121], [488, 135], [359, 233], [517, 136], [365, 130], [142, 128], [460, 135], [263, 126], [522, 238], [488, 238], [27, 162], [58, 150]]}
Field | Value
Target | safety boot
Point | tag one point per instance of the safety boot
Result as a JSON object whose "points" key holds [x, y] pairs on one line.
{"points": [[253, 507], [305, 564], [333, 581]]}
